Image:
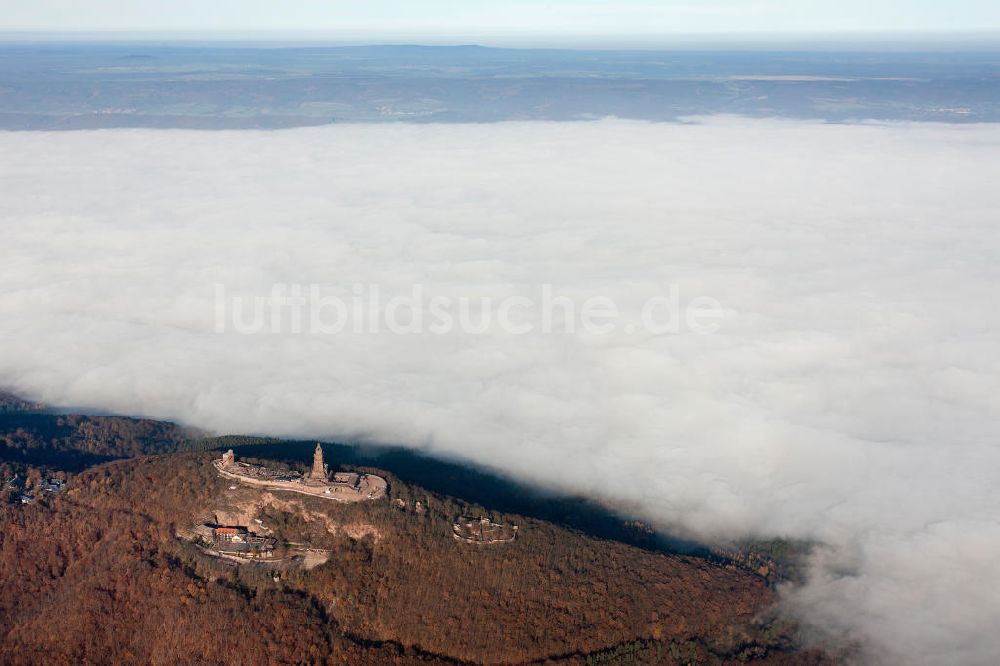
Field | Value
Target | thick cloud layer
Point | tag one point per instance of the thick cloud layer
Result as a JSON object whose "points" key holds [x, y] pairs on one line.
{"points": [[850, 393]]}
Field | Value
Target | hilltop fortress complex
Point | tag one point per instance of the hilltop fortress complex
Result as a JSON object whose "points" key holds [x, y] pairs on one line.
{"points": [[343, 487]]}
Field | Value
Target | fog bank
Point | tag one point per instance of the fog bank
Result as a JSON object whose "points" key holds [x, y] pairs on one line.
{"points": [[848, 393]]}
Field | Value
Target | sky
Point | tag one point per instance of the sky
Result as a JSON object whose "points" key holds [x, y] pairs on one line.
{"points": [[845, 389], [486, 17]]}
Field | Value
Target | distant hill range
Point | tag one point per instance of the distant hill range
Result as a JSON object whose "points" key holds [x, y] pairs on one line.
{"points": [[227, 86]]}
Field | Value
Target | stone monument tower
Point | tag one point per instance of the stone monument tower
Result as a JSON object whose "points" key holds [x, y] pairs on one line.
{"points": [[319, 469]]}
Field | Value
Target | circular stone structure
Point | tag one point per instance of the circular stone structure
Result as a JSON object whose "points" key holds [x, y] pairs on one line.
{"points": [[482, 530]]}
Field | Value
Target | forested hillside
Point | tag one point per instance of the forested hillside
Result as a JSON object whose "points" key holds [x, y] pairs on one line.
{"points": [[98, 573]]}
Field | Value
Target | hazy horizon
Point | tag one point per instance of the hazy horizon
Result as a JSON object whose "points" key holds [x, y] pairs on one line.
{"points": [[876, 40], [485, 16]]}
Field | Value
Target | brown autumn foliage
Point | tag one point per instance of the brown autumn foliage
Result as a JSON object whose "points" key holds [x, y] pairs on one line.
{"points": [[75, 441], [97, 575]]}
